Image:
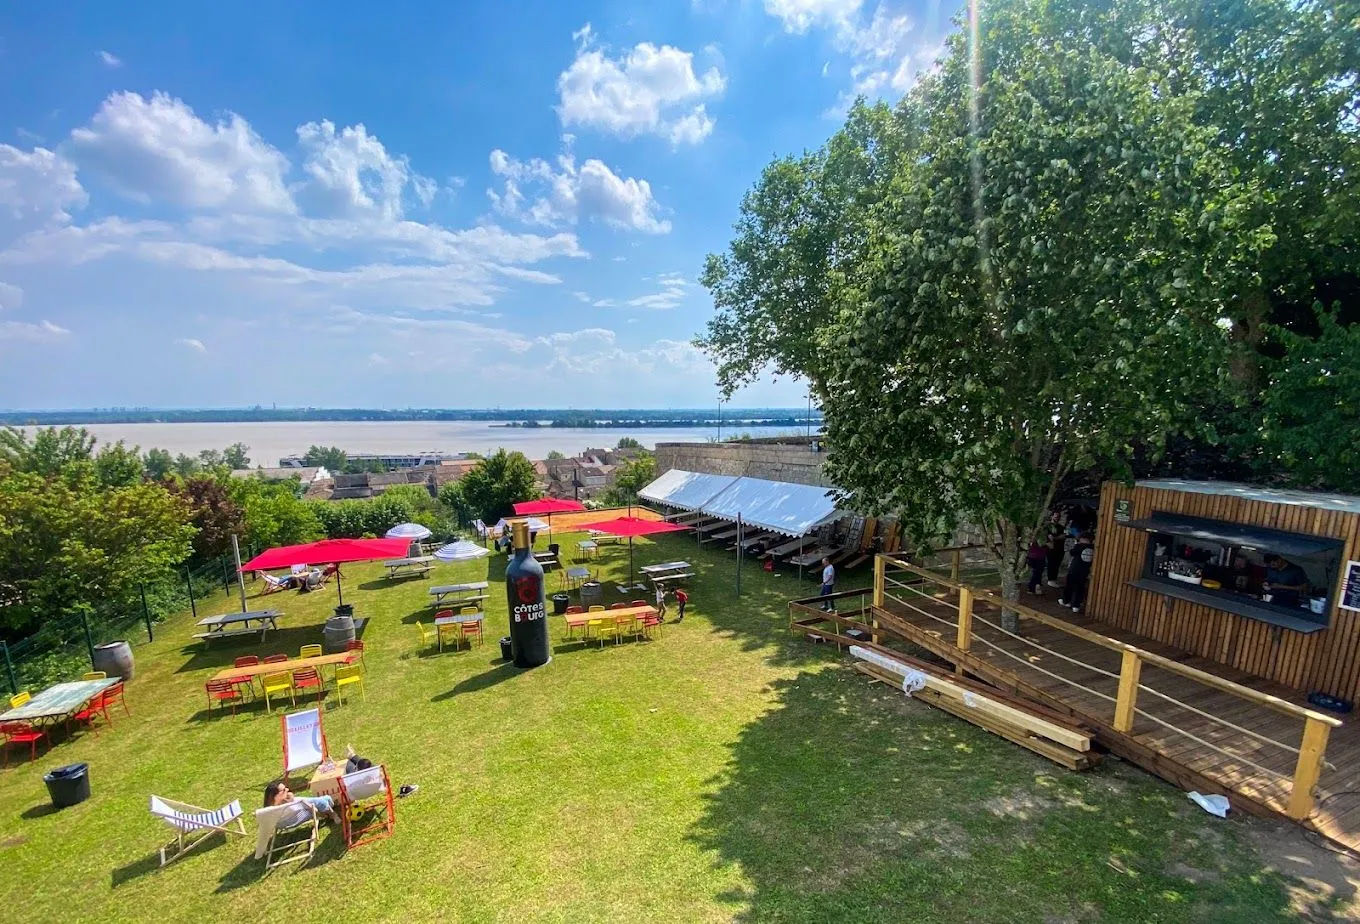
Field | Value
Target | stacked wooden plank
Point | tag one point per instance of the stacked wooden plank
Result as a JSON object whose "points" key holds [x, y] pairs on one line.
{"points": [[1026, 724]]}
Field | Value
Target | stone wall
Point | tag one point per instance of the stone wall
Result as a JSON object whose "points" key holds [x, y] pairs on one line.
{"points": [[793, 462]]}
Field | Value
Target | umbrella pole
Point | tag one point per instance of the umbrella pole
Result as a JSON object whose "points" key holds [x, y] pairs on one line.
{"points": [[339, 585], [630, 561]]}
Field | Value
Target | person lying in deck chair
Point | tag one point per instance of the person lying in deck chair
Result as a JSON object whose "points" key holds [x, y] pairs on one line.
{"points": [[274, 584], [278, 793]]}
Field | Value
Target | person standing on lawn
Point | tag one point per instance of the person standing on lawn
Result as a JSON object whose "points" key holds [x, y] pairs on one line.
{"points": [[661, 601], [828, 585], [681, 598], [1078, 573]]}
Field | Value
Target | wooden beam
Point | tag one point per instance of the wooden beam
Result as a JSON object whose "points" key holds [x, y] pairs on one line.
{"points": [[965, 642], [1308, 769], [879, 566], [1125, 703]]}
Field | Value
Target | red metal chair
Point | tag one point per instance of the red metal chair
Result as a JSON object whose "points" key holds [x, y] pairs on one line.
{"points": [[639, 603], [93, 710], [354, 645], [647, 622], [619, 606], [223, 691], [274, 658], [573, 610], [306, 677], [246, 661], [21, 733], [471, 630], [113, 696], [248, 680]]}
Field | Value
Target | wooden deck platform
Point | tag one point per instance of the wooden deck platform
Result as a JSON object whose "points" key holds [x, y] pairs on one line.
{"points": [[1183, 728]]}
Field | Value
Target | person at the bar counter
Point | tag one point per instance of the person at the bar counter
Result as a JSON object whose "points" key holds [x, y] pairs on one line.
{"points": [[1285, 581]]}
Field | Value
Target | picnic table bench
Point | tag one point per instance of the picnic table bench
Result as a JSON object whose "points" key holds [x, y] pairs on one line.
{"points": [[750, 541], [456, 619], [221, 626], [723, 534], [668, 571], [815, 556], [786, 549], [713, 525], [449, 590], [399, 567], [600, 538]]}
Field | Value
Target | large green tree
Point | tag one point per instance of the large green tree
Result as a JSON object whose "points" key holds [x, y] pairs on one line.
{"points": [[333, 458], [491, 488]]}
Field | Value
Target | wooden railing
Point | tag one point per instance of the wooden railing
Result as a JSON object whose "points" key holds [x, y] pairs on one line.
{"points": [[1316, 726]]}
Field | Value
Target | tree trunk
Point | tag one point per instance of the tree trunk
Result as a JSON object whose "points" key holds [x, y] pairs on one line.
{"points": [[1010, 584]]}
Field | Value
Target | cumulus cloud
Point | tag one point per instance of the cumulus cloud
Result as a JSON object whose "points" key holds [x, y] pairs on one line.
{"points": [[192, 344], [649, 90], [159, 150], [672, 289], [564, 194], [350, 173], [110, 59], [36, 189], [26, 332], [595, 351], [798, 16]]}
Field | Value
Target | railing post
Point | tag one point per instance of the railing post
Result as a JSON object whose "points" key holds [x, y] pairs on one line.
{"points": [[879, 564], [9, 668], [146, 613], [1130, 669], [965, 639], [955, 565], [1308, 768]]}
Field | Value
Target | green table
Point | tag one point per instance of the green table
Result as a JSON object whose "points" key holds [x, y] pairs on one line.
{"points": [[57, 702]]}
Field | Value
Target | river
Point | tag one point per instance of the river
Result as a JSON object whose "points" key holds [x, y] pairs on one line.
{"points": [[270, 442]]}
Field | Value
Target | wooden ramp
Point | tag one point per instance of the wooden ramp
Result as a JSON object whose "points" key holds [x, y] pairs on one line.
{"points": [[1198, 724]]}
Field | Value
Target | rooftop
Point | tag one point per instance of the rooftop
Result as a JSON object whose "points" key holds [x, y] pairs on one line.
{"points": [[1322, 500]]}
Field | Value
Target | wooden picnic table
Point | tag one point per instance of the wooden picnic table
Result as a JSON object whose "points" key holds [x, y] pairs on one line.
{"points": [[278, 667], [651, 570], [815, 556], [786, 548], [587, 548], [601, 538], [59, 701], [419, 565], [577, 620], [459, 602], [457, 619], [448, 590], [217, 626], [750, 541]]}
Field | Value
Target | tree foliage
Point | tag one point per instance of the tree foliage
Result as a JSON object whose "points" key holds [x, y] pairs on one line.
{"points": [[491, 488], [158, 464], [332, 458], [274, 514], [630, 478], [1068, 246], [236, 456], [213, 511]]}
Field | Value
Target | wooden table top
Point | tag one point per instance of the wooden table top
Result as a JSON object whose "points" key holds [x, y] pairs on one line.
{"points": [[226, 619], [59, 700], [445, 589], [292, 664], [580, 619]]}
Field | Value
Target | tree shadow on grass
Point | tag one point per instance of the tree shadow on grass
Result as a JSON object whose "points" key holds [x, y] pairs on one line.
{"points": [[847, 801], [222, 653], [499, 673]]}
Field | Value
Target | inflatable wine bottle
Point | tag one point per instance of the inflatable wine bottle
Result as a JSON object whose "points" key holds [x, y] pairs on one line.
{"points": [[528, 609]]}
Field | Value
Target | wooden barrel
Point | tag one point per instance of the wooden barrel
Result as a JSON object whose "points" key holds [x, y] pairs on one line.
{"points": [[339, 630], [114, 659]]}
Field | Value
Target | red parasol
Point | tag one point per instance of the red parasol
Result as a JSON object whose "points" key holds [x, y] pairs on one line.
{"points": [[630, 527], [547, 507], [328, 552]]}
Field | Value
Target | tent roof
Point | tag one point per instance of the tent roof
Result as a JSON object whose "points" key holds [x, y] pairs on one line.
{"points": [[687, 490], [779, 506]]}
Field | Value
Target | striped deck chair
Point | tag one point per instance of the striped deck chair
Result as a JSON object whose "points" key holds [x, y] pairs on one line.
{"points": [[285, 833], [193, 825]]}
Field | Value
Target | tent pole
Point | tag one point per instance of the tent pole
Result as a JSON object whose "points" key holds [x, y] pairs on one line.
{"points": [[240, 581], [801, 540], [738, 554]]}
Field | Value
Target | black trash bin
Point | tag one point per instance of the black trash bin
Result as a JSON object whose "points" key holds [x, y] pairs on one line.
{"points": [[560, 604], [506, 654], [68, 785]]}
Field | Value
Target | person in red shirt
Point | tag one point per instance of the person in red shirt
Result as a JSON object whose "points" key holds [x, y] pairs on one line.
{"points": [[681, 598]]}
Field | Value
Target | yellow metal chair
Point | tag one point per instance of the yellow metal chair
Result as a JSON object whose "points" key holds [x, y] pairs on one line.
{"points": [[18, 699], [625, 625], [281, 682], [427, 636], [310, 651], [603, 628], [94, 675], [450, 631], [345, 676], [597, 608]]}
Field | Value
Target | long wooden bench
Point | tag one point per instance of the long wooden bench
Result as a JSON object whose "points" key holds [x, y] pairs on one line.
{"points": [[230, 633]]}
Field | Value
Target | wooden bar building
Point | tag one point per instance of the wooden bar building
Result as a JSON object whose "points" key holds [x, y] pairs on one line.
{"points": [[1191, 564]]}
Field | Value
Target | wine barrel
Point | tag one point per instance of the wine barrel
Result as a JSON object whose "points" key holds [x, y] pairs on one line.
{"points": [[338, 632], [592, 592], [114, 659]]}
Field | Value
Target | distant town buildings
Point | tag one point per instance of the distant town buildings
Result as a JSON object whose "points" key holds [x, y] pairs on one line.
{"points": [[386, 460]]}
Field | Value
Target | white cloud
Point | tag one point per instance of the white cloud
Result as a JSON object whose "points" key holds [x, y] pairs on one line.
{"points": [[377, 360], [885, 48], [11, 297], [350, 174], [159, 150], [800, 15], [672, 289], [195, 345], [110, 59], [595, 351], [36, 189], [570, 194], [26, 332], [649, 90]]}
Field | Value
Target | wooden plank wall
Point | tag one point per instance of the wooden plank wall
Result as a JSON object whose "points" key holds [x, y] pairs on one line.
{"points": [[1328, 660]]}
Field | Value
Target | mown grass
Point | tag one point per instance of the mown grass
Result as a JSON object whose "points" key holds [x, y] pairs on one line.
{"points": [[725, 771]]}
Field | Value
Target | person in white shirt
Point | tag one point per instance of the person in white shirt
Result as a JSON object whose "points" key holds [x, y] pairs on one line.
{"points": [[661, 600], [828, 584]]}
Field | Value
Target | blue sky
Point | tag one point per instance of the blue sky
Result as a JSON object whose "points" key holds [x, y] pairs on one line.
{"points": [[455, 205]]}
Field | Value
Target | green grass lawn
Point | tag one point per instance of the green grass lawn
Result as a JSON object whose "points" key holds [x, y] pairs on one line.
{"points": [[724, 771]]}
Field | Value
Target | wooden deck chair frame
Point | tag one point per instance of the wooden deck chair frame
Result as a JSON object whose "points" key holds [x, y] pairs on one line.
{"points": [[288, 765], [278, 846], [193, 824], [380, 807]]}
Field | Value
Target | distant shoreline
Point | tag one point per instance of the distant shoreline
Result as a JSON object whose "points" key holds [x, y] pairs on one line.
{"points": [[527, 418]]}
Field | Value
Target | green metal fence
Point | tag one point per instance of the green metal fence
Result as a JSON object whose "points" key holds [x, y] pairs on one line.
{"points": [[63, 647]]}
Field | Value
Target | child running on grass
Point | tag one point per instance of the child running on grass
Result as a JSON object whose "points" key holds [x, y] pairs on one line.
{"points": [[681, 598], [661, 601]]}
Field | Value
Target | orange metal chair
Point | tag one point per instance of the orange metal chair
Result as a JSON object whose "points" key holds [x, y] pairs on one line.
{"points": [[274, 658], [367, 812], [473, 630], [356, 646], [21, 733], [223, 691], [307, 677]]}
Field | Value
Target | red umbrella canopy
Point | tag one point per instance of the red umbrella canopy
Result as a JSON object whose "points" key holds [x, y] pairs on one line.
{"points": [[537, 508], [629, 527], [328, 551]]}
